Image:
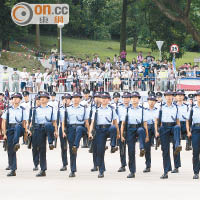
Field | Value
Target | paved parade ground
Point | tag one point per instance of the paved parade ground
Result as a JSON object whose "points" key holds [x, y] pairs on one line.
{"points": [[86, 185]]}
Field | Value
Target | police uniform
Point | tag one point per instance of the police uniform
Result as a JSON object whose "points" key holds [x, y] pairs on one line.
{"points": [[169, 129], [103, 118], [196, 138], [43, 129], [74, 120], [63, 141], [184, 115], [135, 118], [86, 102], [120, 110], [53, 103], [152, 114], [15, 130]]}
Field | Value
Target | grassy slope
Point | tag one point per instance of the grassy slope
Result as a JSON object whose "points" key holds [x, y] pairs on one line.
{"points": [[80, 48]]}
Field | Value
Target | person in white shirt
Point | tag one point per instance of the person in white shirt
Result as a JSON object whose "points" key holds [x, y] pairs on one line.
{"points": [[45, 79], [24, 78], [38, 77]]}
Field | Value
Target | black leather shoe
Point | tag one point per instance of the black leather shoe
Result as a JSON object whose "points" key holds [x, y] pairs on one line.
{"points": [[72, 175], [142, 152], [74, 150], [106, 148], [175, 171], [12, 173], [16, 147], [101, 175], [84, 146], [7, 168], [122, 169], [51, 146], [114, 149], [41, 173], [35, 168], [178, 149], [94, 169], [164, 176], [64, 168], [131, 175], [147, 170], [196, 176]]}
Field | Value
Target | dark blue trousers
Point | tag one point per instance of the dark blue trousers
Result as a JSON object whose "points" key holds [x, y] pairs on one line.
{"points": [[74, 135], [184, 132], [13, 135], [166, 133], [196, 149], [94, 154], [122, 151], [35, 149], [131, 139], [63, 145], [101, 137], [151, 132], [39, 142]]}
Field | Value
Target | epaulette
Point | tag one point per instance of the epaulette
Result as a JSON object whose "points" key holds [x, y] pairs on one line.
{"points": [[111, 107], [121, 104], [50, 106], [22, 107]]}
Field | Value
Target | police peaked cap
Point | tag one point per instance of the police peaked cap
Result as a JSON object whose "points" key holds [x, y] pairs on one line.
{"points": [[86, 91], [151, 93], [197, 93], [25, 93], [77, 94], [67, 96], [126, 95], [159, 94], [168, 92], [44, 94], [105, 95], [97, 94], [152, 98], [180, 92], [135, 94], [116, 95], [53, 94], [16, 95]]}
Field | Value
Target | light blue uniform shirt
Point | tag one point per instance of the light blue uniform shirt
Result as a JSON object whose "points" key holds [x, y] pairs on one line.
{"points": [[169, 113], [196, 114], [151, 114], [43, 114], [135, 115], [75, 115], [122, 109], [15, 115], [183, 112], [105, 115]]}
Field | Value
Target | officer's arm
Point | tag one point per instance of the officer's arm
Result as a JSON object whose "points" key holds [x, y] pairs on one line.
{"points": [[146, 129], [116, 125], [122, 128], [188, 128], [91, 127], [4, 127], [178, 122], [87, 125], [55, 125], [156, 125]]}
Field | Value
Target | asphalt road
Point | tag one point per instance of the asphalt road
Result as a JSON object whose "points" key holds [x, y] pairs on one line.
{"points": [[86, 185]]}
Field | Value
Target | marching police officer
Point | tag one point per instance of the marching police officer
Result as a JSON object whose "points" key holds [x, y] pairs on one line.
{"points": [[53, 102], [75, 122], [120, 110], [116, 98], [93, 148], [195, 134], [102, 120], [63, 140], [159, 99], [152, 113], [135, 121], [14, 126], [45, 127], [184, 113], [86, 98], [170, 126]]}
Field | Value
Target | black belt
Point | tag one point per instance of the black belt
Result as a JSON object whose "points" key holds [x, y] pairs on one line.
{"points": [[134, 125], [12, 125], [40, 125], [183, 122], [103, 126], [74, 125], [196, 125], [150, 124], [168, 123]]}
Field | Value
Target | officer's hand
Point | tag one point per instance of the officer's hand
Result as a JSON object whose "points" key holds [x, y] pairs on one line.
{"points": [[56, 134], [25, 136], [29, 133], [5, 137], [189, 134], [64, 135], [90, 136], [118, 136], [147, 139], [122, 139], [157, 134]]}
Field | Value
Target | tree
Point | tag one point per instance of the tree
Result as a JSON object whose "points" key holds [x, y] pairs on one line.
{"points": [[180, 11]]}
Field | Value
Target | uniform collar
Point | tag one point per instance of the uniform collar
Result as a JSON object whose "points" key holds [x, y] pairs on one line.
{"points": [[44, 107], [172, 105], [105, 107], [136, 107], [154, 108], [77, 106], [15, 108]]}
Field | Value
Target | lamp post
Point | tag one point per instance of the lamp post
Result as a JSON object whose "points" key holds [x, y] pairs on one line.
{"points": [[60, 26]]}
